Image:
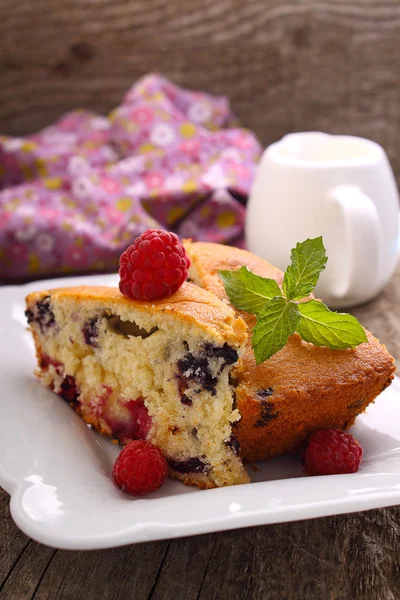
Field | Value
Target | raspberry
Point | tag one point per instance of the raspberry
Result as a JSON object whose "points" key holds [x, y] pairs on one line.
{"points": [[69, 391], [140, 468], [331, 452], [46, 361], [154, 267], [141, 418]]}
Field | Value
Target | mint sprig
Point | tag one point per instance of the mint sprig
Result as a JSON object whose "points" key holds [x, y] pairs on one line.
{"points": [[280, 315], [308, 260], [324, 327], [248, 291], [274, 325]]}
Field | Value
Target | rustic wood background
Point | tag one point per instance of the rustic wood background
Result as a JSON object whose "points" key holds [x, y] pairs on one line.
{"points": [[337, 558], [287, 65]]}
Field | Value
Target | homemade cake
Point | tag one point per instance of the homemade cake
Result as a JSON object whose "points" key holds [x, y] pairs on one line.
{"points": [[159, 371], [181, 372], [302, 387]]}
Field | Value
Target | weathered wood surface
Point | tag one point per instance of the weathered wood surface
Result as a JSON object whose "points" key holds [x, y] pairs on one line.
{"points": [[287, 65], [338, 558], [346, 557]]}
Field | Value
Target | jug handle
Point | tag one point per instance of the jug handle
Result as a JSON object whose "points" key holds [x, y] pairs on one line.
{"points": [[361, 239]]}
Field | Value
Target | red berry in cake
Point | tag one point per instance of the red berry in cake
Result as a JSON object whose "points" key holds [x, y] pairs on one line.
{"points": [[154, 267], [69, 390], [331, 452], [142, 421], [140, 468]]}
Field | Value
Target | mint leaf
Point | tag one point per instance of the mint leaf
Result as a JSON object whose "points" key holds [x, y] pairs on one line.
{"points": [[274, 325], [308, 260], [323, 327], [279, 316], [248, 291]]}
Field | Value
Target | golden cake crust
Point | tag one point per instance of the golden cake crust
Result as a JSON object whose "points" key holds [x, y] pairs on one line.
{"points": [[302, 387], [207, 259], [190, 303]]}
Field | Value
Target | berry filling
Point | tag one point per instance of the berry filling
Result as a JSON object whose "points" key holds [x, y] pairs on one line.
{"points": [[267, 408], [46, 361], [135, 426], [29, 316], [69, 391], [186, 401], [233, 444], [265, 393], [42, 314], [198, 368], [192, 465], [267, 413], [226, 352], [141, 418], [91, 332]]}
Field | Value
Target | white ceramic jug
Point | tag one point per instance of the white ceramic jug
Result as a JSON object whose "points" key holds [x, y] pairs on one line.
{"points": [[341, 187]]}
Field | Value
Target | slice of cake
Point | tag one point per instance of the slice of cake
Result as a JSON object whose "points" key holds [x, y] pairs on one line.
{"points": [[158, 371], [301, 388]]}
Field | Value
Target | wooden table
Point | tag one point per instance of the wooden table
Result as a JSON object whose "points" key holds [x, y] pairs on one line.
{"points": [[351, 556]]}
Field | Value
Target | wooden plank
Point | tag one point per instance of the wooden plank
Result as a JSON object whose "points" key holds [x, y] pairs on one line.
{"points": [[13, 544], [128, 572], [185, 568], [4, 505], [338, 557], [287, 66], [27, 573], [30, 570], [382, 316], [350, 556]]}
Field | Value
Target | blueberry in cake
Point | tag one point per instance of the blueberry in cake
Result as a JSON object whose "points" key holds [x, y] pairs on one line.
{"points": [[158, 370], [302, 387]]}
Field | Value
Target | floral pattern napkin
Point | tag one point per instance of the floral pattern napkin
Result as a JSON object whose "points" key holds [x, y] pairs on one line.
{"points": [[76, 194]]}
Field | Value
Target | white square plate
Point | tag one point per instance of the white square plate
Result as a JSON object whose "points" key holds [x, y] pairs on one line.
{"points": [[57, 471]]}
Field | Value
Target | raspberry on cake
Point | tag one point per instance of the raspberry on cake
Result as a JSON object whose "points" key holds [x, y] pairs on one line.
{"points": [[302, 387], [154, 267], [157, 370]]}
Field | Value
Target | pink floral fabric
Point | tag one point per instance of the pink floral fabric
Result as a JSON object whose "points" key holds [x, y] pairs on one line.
{"points": [[76, 194]]}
